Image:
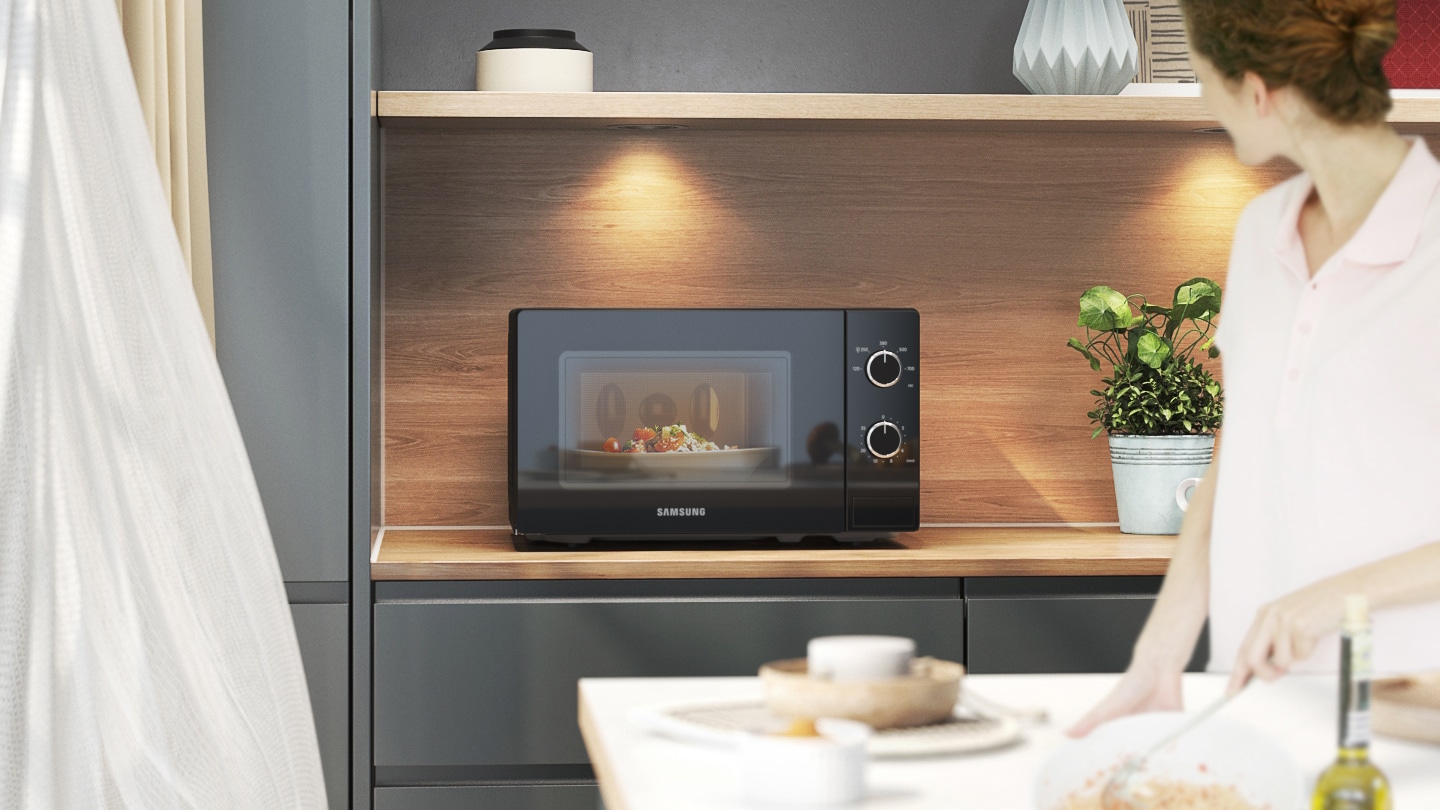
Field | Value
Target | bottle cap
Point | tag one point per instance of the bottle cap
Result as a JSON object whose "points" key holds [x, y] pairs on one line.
{"points": [[1357, 610]]}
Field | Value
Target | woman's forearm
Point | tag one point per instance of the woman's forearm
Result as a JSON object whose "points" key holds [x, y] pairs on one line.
{"points": [[1288, 629], [1168, 640], [1407, 578]]}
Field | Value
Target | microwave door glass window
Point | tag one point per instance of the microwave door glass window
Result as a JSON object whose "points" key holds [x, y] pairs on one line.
{"points": [[656, 419]]}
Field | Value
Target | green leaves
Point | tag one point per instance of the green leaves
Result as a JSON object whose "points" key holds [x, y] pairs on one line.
{"points": [[1156, 388], [1152, 350], [1180, 398], [1075, 344], [1104, 310], [1196, 299]]}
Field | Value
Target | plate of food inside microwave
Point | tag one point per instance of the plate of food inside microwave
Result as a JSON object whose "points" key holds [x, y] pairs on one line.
{"points": [[669, 450]]}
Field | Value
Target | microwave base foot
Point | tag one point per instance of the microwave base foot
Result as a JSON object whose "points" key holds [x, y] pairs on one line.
{"points": [[571, 540]]}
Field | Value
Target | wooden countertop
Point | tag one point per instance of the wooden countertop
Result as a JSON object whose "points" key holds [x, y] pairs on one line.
{"points": [[490, 554]]}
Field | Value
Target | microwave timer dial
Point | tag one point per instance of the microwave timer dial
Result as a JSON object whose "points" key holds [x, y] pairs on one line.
{"points": [[883, 368], [883, 440]]}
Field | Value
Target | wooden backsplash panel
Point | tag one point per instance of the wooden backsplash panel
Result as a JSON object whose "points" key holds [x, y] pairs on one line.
{"points": [[992, 236]]}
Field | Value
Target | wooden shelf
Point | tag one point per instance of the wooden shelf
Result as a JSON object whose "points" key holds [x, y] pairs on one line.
{"points": [[834, 111], [490, 554]]}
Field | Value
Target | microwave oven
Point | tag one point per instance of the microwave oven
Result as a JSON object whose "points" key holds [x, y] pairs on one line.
{"points": [[714, 424]]}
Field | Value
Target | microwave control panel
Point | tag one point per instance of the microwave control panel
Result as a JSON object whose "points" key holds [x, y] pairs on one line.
{"points": [[882, 412]]}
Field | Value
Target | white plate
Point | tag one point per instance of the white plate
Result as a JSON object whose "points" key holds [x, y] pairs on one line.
{"points": [[1220, 751], [741, 461], [723, 723]]}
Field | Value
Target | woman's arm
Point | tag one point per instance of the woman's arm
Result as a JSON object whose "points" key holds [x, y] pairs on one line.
{"points": [[1286, 630], [1152, 682]]}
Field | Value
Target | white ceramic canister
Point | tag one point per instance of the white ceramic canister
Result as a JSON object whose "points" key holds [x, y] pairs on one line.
{"points": [[543, 60], [818, 771], [859, 658]]}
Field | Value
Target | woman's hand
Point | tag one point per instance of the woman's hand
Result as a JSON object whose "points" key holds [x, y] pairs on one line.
{"points": [[1143, 688], [1285, 632]]}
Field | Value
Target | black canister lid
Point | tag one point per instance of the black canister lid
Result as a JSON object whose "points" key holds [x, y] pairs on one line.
{"points": [[553, 38]]}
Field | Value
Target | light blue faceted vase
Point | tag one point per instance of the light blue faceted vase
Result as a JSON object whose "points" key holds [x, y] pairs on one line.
{"points": [[1076, 47]]}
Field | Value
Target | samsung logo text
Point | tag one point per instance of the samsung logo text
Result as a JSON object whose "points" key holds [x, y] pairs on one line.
{"points": [[685, 511]]}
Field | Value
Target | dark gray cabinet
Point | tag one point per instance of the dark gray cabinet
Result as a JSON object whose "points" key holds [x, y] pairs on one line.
{"points": [[1058, 624], [277, 99], [500, 797], [323, 633], [484, 673], [277, 106]]}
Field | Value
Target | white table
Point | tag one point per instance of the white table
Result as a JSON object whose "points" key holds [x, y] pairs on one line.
{"points": [[641, 771]]}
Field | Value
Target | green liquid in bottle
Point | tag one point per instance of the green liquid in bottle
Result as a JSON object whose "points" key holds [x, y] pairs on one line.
{"points": [[1352, 782]]}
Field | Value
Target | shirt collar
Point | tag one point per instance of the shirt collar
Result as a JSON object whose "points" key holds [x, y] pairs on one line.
{"points": [[1391, 230]]}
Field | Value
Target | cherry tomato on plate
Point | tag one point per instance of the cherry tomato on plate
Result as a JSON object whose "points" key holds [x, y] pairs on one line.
{"points": [[612, 445], [643, 434]]}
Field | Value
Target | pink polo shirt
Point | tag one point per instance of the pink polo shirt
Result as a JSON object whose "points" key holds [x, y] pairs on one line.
{"points": [[1331, 445]]}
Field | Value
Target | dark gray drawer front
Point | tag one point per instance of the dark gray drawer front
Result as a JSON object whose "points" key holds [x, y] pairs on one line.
{"points": [[495, 682], [323, 632], [524, 797], [1051, 625]]}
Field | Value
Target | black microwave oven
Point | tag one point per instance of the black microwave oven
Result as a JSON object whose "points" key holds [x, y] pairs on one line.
{"points": [[714, 424]]}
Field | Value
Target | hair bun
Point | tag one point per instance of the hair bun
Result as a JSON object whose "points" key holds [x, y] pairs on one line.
{"points": [[1371, 31], [1364, 29], [1331, 51]]}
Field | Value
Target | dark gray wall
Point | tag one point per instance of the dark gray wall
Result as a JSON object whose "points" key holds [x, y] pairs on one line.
{"points": [[277, 92], [838, 46]]}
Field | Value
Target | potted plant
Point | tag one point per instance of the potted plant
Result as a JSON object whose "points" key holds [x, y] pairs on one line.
{"points": [[1160, 406]]}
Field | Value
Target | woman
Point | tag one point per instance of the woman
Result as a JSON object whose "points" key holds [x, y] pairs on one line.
{"points": [[1329, 483]]}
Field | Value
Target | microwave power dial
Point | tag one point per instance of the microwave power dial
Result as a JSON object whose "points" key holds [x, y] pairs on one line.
{"points": [[883, 368], [883, 440]]}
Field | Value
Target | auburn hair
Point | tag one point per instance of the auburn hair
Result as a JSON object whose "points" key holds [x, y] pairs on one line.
{"points": [[1331, 51]]}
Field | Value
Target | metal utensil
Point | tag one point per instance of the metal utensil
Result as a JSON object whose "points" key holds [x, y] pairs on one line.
{"points": [[1117, 795]]}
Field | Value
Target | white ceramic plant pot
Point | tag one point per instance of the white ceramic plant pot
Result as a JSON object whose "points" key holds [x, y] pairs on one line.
{"points": [[1148, 472], [1076, 47]]}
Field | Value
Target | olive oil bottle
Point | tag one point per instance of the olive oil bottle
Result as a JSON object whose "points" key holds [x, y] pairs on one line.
{"points": [[1352, 782]]}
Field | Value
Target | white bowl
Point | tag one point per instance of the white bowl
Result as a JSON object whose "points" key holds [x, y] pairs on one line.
{"points": [[1220, 751], [818, 771]]}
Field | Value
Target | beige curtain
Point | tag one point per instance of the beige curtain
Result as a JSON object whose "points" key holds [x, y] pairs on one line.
{"points": [[165, 40]]}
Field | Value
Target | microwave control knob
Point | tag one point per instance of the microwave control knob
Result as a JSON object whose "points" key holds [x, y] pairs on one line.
{"points": [[883, 368], [883, 440]]}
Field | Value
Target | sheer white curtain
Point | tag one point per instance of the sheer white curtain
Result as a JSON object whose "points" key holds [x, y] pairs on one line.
{"points": [[147, 656]]}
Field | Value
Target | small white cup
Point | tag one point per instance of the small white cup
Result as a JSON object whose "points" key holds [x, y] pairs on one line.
{"points": [[859, 658], [805, 771], [1185, 492]]}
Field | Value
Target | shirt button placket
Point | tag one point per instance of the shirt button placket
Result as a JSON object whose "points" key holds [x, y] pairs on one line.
{"points": [[1302, 331]]}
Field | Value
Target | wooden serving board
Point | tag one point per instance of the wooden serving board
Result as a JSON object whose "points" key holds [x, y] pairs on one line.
{"points": [[1408, 708]]}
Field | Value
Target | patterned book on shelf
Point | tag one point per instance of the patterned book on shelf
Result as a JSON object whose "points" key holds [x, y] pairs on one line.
{"points": [[1414, 62]]}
